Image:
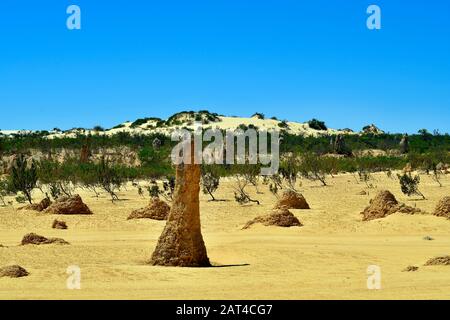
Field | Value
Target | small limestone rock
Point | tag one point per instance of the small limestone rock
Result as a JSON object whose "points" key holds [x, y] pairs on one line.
{"points": [[439, 261], [59, 224], [410, 269], [14, 271], [292, 200], [385, 204], [32, 238], [68, 205], [41, 206], [280, 217], [157, 210], [443, 208]]}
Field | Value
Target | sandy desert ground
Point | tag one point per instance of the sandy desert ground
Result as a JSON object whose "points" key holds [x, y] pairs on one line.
{"points": [[327, 258]]}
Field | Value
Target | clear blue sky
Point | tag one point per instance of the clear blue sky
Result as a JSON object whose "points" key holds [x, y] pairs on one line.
{"points": [[291, 59]]}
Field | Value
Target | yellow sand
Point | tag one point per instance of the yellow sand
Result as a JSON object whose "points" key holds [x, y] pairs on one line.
{"points": [[325, 259]]}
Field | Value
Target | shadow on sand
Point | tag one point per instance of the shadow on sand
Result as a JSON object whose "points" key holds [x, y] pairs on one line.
{"points": [[213, 265]]}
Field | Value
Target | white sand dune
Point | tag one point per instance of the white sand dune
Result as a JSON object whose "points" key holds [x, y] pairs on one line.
{"points": [[186, 120]]}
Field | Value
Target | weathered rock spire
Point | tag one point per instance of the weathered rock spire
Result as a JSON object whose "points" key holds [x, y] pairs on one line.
{"points": [[181, 243]]}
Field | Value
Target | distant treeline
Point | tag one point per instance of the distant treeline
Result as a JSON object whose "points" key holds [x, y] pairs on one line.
{"points": [[423, 142], [24, 142], [313, 158]]}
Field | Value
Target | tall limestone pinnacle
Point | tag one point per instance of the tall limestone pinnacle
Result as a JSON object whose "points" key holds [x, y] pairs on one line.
{"points": [[181, 242]]}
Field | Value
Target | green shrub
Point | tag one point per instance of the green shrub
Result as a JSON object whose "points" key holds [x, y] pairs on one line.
{"points": [[289, 171], [138, 122], [410, 185], [142, 121], [110, 178], [21, 199], [4, 190], [210, 180], [258, 115], [240, 193], [98, 129], [314, 168], [153, 190], [23, 176], [317, 124], [283, 124]]}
